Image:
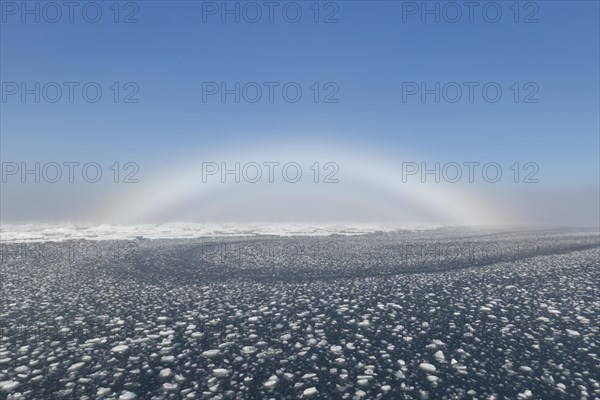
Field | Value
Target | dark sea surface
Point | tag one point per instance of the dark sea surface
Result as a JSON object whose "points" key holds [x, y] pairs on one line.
{"points": [[438, 314]]}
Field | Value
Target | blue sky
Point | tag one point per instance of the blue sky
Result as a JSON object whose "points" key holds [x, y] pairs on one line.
{"points": [[368, 54]]}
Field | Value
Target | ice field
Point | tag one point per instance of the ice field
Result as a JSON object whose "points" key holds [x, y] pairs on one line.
{"points": [[431, 314]]}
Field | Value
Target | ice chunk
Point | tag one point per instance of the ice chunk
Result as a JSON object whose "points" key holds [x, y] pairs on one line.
{"points": [[76, 366], [210, 353], [336, 349], [248, 349], [120, 349], [8, 386], [271, 382], [439, 356], [429, 368], [220, 372]]}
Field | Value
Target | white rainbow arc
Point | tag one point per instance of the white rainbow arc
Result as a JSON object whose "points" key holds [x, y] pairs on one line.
{"points": [[359, 173]]}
